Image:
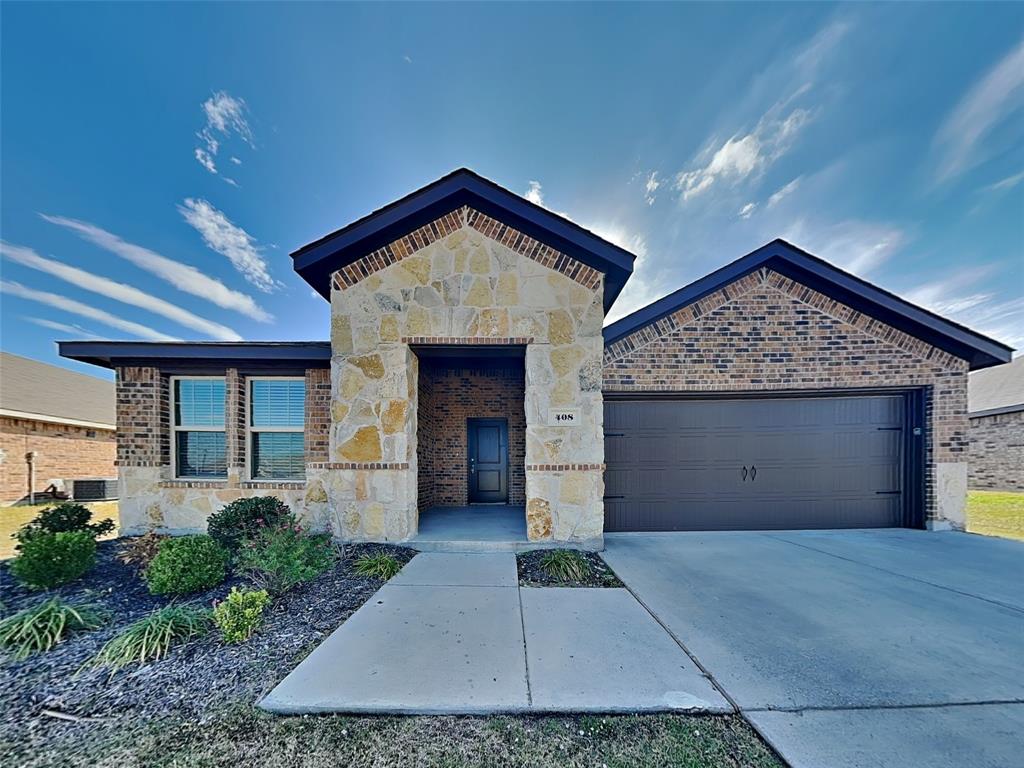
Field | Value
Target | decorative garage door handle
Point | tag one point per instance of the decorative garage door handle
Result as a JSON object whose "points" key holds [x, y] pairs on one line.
{"points": [[753, 473], [744, 474]]}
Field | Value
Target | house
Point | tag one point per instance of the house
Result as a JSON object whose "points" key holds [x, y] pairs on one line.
{"points": [[469, 367], [995, 407], [56, 426]]}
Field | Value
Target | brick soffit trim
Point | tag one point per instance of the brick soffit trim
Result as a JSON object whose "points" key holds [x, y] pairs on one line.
{"points": [[462, 217], [767, 277]]}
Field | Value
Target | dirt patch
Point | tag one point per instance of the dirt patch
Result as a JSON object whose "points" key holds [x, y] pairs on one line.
{"points": [[533, 574]]}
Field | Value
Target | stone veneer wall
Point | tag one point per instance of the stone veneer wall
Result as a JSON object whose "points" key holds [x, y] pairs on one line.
{"points": [[447, 398], [151, 499], [465, 279], [766, 331], [997, 452]]}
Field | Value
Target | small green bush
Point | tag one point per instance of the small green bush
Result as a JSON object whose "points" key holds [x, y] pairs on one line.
{"points": [[186, 564], [565, 565], [379, 565], [64, 518], [48, 560], [241, 614], [151, 638], [278, 559], [43, 626], [245, 518]]}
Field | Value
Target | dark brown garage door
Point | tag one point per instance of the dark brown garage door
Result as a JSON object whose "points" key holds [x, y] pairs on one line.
{"points": [[755, 463]]}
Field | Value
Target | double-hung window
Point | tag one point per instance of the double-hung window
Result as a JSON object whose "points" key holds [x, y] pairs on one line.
{"points": [[198, 427], [277, 412]]}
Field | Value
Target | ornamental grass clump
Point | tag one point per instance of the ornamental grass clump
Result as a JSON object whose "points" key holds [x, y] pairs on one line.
{"points": [[278, 559], [47, 560], [240, 614], [379, 565], [565, 565], [186, 564], [152, 637], [41, 627]]}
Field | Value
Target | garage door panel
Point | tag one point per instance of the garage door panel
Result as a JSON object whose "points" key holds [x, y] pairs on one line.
{"points": [[811, 462]]}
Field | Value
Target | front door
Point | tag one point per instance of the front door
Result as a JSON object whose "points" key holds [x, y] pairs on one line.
{"points": [[488, 461]]}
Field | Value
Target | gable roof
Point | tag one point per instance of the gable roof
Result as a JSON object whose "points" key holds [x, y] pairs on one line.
{"points": [[999, 389], [316, 261], [33, 390], [980, 351]]}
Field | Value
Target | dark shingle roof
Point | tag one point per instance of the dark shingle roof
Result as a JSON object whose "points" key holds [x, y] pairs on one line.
{"points": [[999, 389], [31, 387]]}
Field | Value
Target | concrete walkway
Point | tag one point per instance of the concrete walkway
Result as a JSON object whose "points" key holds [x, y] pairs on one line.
{"points": [[850, 649], [455, 634]]}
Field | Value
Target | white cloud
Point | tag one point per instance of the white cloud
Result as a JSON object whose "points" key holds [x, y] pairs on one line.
{"points": [[182, 276], [995, 97], [84, 310], [747, 210], [651, 186], [1005, 184], [126, 294], [53, 325], [821, 46], [779, 195], [225, 117], [235, 160], [857, 246], [407, 59], [534, 193], [230, 240]]}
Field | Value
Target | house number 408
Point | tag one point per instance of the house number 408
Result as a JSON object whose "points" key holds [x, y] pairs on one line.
{"points": [[562, 418]]}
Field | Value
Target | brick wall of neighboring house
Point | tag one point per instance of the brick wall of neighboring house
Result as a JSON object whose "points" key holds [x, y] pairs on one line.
{"points": [[63, 452], [997, 452], [768, 332], [447, 398]]}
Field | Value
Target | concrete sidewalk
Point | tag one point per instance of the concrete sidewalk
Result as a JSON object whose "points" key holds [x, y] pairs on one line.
{"points": [[455, 634]]}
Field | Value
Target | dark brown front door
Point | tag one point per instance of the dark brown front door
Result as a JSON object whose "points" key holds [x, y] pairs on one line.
{"points": [[488, 461]]}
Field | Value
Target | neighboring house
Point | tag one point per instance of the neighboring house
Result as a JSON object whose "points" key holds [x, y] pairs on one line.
{"points": [[995, 405], [468, 365], [55, 426]]}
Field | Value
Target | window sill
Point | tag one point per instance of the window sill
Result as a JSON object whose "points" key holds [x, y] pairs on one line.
{"points": [[273, 483], [196, 483]]}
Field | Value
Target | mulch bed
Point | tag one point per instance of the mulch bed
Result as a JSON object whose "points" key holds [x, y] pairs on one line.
{"points": [[531, 574], [194, 679]]}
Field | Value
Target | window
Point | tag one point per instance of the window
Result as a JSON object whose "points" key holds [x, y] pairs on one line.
{"points": [[277, 412], [198, 428]]}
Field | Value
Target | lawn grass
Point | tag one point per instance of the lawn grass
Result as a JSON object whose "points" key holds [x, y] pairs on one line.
{"points": [[996, 513], [243, 736], [12, 518]]}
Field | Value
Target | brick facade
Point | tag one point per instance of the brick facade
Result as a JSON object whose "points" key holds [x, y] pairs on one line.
{"points": [[448, 397], [63, 452], [143, 417], [768, 332], [997, 452]]}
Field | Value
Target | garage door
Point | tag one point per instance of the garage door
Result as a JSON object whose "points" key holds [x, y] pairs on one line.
{"points": [[754, 463]]}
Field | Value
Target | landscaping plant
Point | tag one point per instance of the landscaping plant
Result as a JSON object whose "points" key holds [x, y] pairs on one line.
{"points": [[245, 518], [150, 638], [64, 518], [43, 626], [141, 550], [277, 559], [565, 565], [379, 565], [48, 560], [186, 564], [240, 614]]}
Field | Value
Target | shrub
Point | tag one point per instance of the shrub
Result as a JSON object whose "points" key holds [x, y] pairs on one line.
{"points": [[278, 559], [47, 560], [151, 638], [565, 565], [186, 564], [245, 518], [141, 550], [379, 565], [64, 518], [43, 626], [240, 615]]}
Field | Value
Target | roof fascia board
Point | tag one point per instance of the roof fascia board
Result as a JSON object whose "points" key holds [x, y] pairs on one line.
{"points": [[996, 411], [12, 414], [108, 354]]}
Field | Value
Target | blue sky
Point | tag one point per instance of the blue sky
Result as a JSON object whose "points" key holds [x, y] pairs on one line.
{"points": [[159, 162]]}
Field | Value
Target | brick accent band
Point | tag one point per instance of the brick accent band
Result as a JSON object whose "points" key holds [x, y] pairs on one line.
{"points": [[274, 485], [440, 228], [564, 467], [464, 341], [357, 465], [193, 484]]}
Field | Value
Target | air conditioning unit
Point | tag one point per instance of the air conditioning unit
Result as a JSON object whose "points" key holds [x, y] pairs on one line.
{"points": [[94, 489]]}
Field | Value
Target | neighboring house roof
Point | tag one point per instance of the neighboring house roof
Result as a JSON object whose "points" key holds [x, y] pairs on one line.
{"points": [[317, 261], [979, 350], [999, 389], [178, 355], [30, 389]]}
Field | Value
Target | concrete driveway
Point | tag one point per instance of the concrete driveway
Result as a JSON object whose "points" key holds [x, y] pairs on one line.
{"points": [[849, 648]]}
